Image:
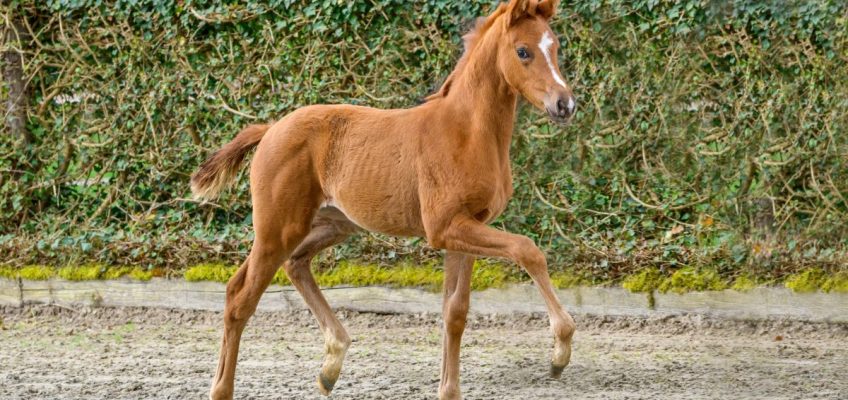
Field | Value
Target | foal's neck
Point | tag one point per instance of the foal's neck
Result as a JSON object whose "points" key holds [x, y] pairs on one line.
{"points": [[481, 97]]}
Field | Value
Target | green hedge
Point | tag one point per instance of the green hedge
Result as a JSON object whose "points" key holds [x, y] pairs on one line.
{"points": [[709, 133]]}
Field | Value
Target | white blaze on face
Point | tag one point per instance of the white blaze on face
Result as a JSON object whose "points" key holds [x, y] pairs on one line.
{"points": [[545, 45]]}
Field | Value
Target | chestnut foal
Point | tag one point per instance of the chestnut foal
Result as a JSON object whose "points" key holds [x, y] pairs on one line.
{"points": [[440, 170]]}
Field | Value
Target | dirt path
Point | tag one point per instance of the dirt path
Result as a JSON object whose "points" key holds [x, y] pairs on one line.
{"points": [[131, 353]]}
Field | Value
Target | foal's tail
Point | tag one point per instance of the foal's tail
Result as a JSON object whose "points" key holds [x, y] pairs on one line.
{"points": [[219, 170]]}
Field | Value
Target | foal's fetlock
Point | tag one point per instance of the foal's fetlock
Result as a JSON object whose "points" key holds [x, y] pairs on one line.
{"points": [[221, 393], [335, 352], [449, 392], [560, 358], [562, 351]]}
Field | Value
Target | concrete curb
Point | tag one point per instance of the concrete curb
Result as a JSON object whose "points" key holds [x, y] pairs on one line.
{"points": [[757, 304]]}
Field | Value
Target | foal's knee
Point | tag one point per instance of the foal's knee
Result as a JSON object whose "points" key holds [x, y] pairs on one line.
{"points": [[455, 318]]}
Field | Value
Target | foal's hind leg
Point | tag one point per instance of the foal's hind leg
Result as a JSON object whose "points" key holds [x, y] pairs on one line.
{"points": [[244, 290], [329, 228], [282, 214]]}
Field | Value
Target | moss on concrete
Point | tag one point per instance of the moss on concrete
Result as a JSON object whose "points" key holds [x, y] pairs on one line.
{"points": [[486, 274], [280, 278], [135, 273], [8, 272], [141, 274], [692, 280], [807, 281], [744, 283], [36, 272], [404, 275], [836, 283], [566, 280], [80, 273], [644, 281], [210, 272]]}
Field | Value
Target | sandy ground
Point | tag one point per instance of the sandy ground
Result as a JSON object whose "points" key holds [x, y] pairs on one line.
{"points": [[47, 352]]}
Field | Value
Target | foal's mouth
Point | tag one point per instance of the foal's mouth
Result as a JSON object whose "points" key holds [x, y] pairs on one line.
{"points": [[560, 120]]}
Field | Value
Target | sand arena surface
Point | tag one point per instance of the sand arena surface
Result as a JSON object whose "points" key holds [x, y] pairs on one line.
{"points": [[49, 352]]}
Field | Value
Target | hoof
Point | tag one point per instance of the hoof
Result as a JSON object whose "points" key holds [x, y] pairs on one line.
{"points": [[325, 384], [556, 371], [218, 393]]}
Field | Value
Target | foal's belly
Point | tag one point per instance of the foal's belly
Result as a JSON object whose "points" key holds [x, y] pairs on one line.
{"points": [[379, 198], [389, 217]]}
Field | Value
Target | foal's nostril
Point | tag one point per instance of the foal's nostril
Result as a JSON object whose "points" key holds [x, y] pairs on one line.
{"points": [[565, 107], [562, 108]]}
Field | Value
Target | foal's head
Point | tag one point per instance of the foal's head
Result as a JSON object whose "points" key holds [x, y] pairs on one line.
{"points": [[527, 56]]}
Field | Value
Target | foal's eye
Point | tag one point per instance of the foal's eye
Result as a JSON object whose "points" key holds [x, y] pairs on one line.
{"points": [[523, 53]]}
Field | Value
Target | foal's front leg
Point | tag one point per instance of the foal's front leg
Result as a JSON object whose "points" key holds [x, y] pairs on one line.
{"points": [[467, 235], [458, 268]]}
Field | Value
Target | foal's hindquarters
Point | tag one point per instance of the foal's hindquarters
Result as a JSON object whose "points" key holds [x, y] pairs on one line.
{"points": [[286, 195]]}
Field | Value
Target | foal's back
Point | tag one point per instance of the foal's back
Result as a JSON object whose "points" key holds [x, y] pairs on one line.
{"points": [[361, 160]]}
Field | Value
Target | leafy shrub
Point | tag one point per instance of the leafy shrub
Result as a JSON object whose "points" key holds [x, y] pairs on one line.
{"points": [[708, 133]]}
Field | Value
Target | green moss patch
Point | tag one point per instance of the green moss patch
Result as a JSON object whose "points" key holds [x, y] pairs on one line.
{"points": [[407, 275], [80, 273], [565, 280], [75, 273], [135, 273], [280, 278], [486, 274], [8, 272], [743, 283], [644, 281], [141, 274], [36, 272], [692, 280], [836, 283], [807, 281], [210, 272]]}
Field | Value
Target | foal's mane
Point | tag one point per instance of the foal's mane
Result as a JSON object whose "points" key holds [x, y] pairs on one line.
{"points": [[470, 41]]}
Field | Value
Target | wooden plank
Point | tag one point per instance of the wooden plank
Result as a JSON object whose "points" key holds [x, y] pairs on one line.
{"points": [[760, 303], [10, 292]]}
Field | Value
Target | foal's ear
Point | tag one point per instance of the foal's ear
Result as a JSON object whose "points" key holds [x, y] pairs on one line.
{"points": [[517, 9], [547, 8]]}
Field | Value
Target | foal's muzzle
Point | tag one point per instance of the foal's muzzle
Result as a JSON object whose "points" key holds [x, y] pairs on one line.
{"points": [[561, 108]]}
